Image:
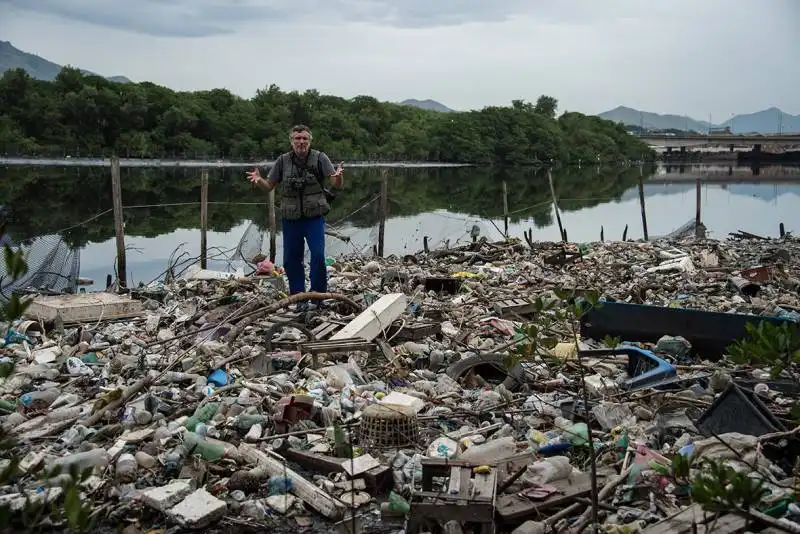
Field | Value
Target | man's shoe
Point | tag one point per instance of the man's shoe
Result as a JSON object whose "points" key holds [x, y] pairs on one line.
{"points": [[321, 305]]}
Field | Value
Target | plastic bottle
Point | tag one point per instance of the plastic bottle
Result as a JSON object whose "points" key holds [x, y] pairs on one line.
{"points": [[245, 421], [208, 448], [491, 450], [622, 444], [202, 414], [578, 434], [83, 460], [126, 467], [173, 462], [39, 400], [398, 504]]}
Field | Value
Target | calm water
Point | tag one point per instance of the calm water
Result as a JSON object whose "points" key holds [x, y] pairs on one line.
{"points": [[442, 204]]}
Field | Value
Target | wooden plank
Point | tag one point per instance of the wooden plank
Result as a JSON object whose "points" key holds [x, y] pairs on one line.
{"points": [[485, 485], [83, 307], [441, 466], [359, 465], [512, 307], [376, 479], [344, 345], [466, 476], [371, 322], [308, 492], [413, 332], [454, 486], [514, 508], [325, 330]]}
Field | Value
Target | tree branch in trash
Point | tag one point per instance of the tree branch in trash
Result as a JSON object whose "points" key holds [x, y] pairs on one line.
{"points": [[777, 346], [568, 307]]}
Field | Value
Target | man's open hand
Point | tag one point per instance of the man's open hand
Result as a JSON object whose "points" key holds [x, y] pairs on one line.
{"points": [[254, 176]]}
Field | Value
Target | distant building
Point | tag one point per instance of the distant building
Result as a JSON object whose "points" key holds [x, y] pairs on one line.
{"points": [[723, 130]]}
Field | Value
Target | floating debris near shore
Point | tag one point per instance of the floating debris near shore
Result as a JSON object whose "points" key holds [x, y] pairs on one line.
{"points": [[499, 386]]}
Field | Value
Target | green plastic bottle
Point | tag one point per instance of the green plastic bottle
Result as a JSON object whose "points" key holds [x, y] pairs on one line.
{"points": [[208, 448], [202, 414]]}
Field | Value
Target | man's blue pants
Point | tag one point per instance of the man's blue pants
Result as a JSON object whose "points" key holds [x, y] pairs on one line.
{"points": [[294, 233]]}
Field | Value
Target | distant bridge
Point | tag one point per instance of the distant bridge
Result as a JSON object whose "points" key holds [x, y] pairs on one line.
{"points": [[685, 141]]}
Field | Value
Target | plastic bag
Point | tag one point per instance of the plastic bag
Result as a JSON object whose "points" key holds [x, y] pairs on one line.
{"points": [[279, 485]]}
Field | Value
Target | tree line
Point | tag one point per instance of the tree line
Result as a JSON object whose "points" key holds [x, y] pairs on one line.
{"points": [[85, 115]]}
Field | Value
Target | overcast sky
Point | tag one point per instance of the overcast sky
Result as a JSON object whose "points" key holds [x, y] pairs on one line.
{"points": [[673, 56]]}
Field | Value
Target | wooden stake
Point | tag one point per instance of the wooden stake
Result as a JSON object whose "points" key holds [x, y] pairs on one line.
{"points": [[273, 226], [697, 218], [203, 218], [119, 228], [555, 206], [384, 210], [505, 209], [641, 204]]}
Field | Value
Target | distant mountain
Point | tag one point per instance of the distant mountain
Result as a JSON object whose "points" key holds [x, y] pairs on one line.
{"points": [[426, 104], [769, 121], [36, 66], [647, 120]]}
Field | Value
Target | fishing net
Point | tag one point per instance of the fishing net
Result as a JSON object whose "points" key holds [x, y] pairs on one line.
{"points": [[250, 244], [53, 267]]}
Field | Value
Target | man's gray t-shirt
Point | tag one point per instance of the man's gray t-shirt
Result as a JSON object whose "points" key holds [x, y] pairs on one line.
{"points": [[276, 172]]}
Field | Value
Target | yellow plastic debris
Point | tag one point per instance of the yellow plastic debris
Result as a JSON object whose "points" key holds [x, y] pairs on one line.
{"points": [[564, 351], [482, 470]]}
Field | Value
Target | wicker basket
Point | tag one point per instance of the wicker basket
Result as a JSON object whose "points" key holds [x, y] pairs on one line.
{"points": [[388, 426]]}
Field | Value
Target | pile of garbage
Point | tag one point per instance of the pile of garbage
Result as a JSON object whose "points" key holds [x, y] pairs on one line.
{"points": [[496, 387]]}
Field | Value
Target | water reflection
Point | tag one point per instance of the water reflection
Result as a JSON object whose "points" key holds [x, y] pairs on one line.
{"points": [[159, 201]]}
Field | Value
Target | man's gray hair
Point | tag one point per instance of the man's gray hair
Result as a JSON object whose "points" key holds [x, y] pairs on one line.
{"points": [[298, 128]]}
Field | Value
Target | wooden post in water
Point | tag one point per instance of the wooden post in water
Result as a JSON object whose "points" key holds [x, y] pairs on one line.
{"points": [[119, 227], [273, 226], [203, 218], [555, 206], [641, 203], [697, 219], [505, 209], [384, 209]]}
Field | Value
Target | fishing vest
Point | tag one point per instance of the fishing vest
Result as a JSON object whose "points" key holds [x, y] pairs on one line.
{"points": [[303, 193]]}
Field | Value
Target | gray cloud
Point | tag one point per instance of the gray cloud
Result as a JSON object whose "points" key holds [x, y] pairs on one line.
{"points": [[199, 18], [431, 13], [161, 18]]}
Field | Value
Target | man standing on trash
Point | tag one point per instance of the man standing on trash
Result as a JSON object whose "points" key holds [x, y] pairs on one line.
{"points": [[304, 204]]}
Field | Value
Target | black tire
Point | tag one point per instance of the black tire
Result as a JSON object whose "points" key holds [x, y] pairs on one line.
{"points": [[512, 378]]}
